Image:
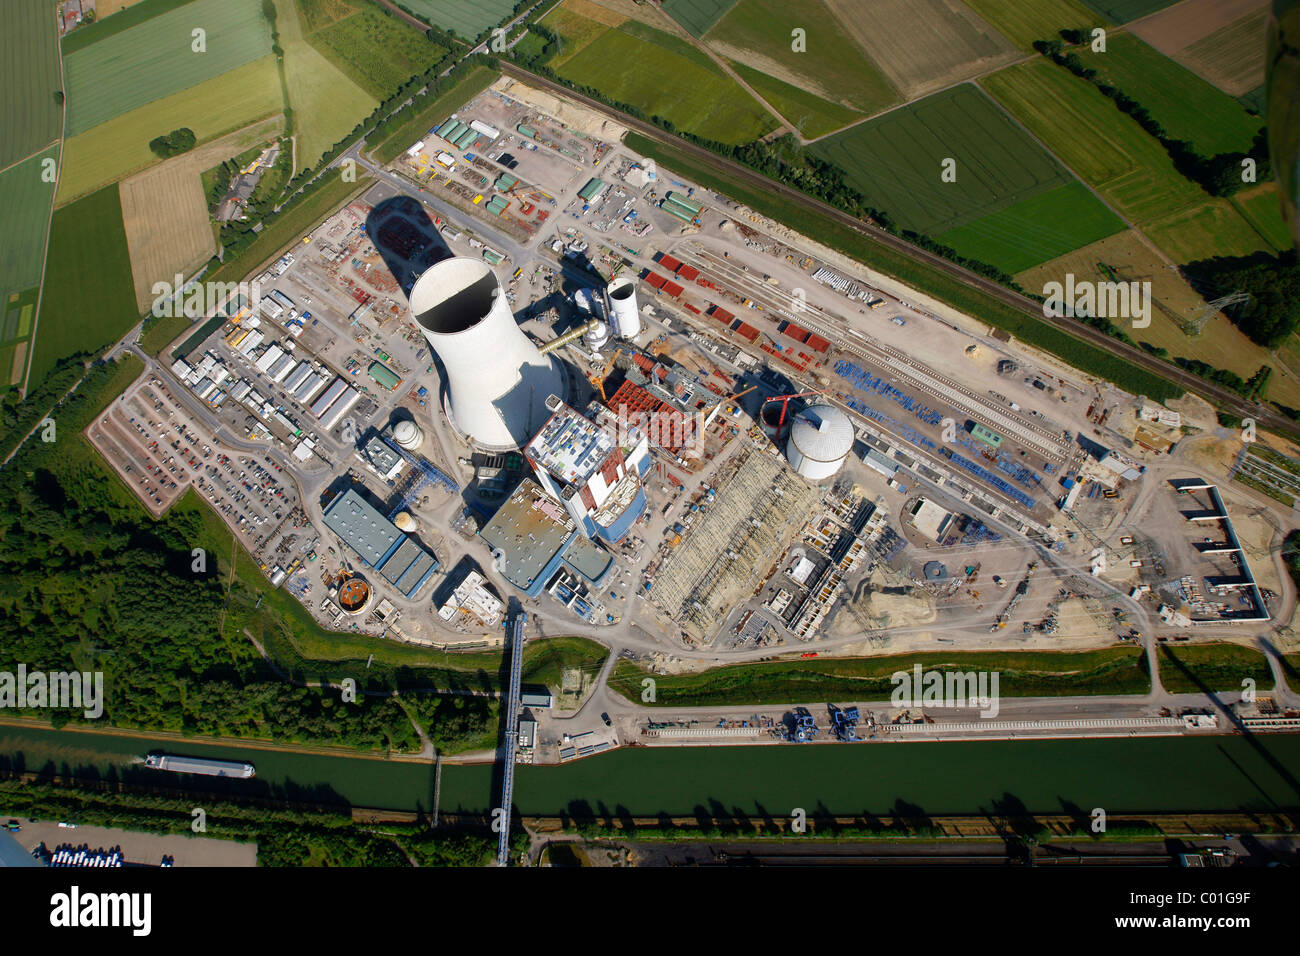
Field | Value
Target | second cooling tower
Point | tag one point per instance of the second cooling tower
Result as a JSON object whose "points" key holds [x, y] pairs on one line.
{"points": [[497, 380], [623, 316]]}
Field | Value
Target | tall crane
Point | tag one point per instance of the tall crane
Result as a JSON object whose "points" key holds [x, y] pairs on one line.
{"points": [[785, 402]]}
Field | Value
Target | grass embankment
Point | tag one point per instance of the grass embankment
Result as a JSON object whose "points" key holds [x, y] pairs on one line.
{"points": [[1198, 668], [473, 83], [270, 243], [1114, 670], [878, 256]]}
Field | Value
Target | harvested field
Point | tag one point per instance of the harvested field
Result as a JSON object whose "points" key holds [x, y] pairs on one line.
{"points": [[106, 8], [156, 59], [120, 147], [1219, 40], [577, 30], [1124, 11], [924, 45], [757, 33], [604, 12], [165, 213]]}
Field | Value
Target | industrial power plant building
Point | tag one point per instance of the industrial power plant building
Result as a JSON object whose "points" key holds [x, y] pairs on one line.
{"points": [[581, 464], [533, 538], [397, 557], [497, 380]]}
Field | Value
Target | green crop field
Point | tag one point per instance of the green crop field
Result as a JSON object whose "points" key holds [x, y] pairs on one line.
{"points": [[1194, 668], [697, 16], [1024, 21], [758, 34], [155, 59], [1122, 11], [811, 115], [955, 292], [1214, 227], [1187, 106], [431, 114], [1037, 229], [665, 76], [895, 161], [465, 18], [377, 50], [1262, 209], [25, 200], [326, 103], [1117, 670], [574, 30], [1091, 136], [89, 298], [29, 77], [132, 16], [119, 147]]}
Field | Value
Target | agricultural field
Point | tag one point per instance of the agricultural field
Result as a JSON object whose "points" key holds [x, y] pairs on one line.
{"points": [[129, 70], [17, 316], [1091, 136], [896, 161], [666, 76], [924, 45], [1212, 228], [165, 213], [757, 33], [577, 25], [1219, 40], [377, 50], [465, 18], [29, 77], [811, 115], [120, 147], [698, 16], [1034, 230], [107, 25], [89, 299], [1127, 257], [1024, 21], [1262, 208], [1187, 106], [25, 200], [1122, 11], [326, 104]]}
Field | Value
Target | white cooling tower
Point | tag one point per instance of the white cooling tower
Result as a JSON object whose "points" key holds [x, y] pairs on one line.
{"points": [[497, 380], [407, 435], [623, 316]]}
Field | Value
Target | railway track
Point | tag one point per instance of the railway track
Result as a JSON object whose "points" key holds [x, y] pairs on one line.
{"points": [[1224, 398]]}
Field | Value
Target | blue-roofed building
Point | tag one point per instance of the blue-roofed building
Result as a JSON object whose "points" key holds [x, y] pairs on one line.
{"points": [[398, 557]]}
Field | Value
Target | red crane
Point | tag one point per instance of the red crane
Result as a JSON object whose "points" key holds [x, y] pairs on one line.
{"points": [[785, 403]]}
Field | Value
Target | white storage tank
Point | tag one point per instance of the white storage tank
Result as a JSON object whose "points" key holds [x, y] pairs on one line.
{"points": [[407, 435], [821, 437], [623, 315]]}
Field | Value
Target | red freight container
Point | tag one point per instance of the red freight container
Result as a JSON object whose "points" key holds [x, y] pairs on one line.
{"points": [[673, 289], [688, 273], [721, 314], [796, 332], [746, 330], [687, 305], [817, 343], [656, 280]]}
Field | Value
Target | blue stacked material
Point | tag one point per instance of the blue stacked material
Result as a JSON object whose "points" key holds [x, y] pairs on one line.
{"points": [[1015, 494], [1049, 468], [977, 532], [906, 431], [866, 382]]}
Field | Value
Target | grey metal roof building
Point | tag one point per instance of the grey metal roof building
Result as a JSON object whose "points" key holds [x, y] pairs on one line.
{"points": [[399, 559]]}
